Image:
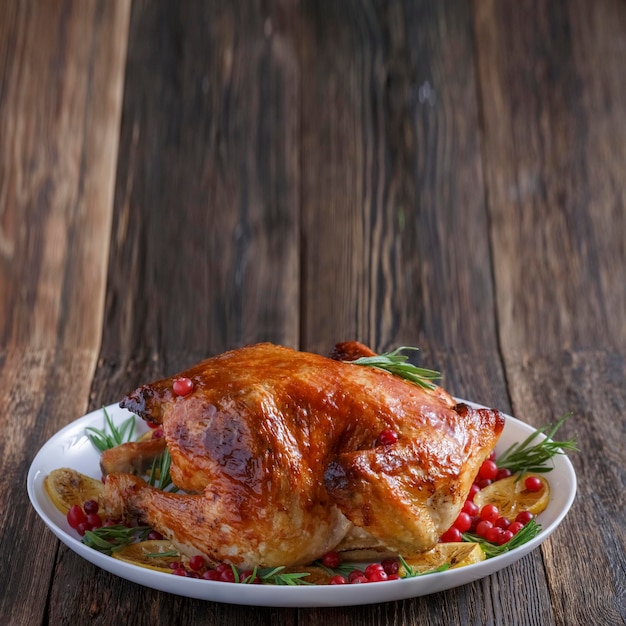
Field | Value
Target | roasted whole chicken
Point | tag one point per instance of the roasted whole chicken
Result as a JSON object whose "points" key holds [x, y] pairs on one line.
{"points": [[282, 455]]}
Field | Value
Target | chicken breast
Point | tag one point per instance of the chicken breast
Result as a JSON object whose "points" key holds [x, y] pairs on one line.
{"points": [[280, 452]]}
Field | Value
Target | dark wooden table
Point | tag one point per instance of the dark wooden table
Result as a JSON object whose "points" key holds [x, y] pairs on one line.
{"points": [[178, 179]]}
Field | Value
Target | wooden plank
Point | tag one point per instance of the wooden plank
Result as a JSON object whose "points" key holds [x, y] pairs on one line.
{"points": [[44, 391], [60, 106], [61, 76], [391, 175], [208, 133], [553, 104], [591, 542]]}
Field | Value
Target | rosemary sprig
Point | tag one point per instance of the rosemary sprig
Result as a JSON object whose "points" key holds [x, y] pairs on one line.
{"points": [[344, 569], [276, 576], [158, 555], [397, 364], [111, 435], [532, 457], [410, 572], [528, 532], [109, 539], [160, 472]]}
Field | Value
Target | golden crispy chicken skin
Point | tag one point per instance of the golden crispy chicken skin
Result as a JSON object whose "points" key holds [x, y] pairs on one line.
{"points": [[279, 452]]}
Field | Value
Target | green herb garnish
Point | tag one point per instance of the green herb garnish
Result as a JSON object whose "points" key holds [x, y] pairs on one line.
{"points": [[532, 457], [158, 555], [109, 539], [276, 576], [111, 435], [343, 569], [528, 532], [160, 472], [397, 364]]}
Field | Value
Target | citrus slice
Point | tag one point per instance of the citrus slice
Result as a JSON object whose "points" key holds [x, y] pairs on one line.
{"points": [[316, 575], [511, 496], [66, 487], [455, 554], [156, 554]]}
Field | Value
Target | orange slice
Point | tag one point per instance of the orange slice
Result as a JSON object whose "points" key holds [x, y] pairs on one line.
{"points": [[156, 554], [66, 487], [455, 554], [511, 496]]}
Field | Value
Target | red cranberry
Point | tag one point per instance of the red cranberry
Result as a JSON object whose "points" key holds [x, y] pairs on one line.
{"points": [[337, 580], [76, 516], [524, 517], [197, 562], [331, 560], [91, 506], [357, 573], [387, 437], [93, 521], [182, 386], [391, 566]]}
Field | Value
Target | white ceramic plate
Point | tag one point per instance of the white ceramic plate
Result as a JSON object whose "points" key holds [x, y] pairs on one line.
{"points": [[70, 447]]}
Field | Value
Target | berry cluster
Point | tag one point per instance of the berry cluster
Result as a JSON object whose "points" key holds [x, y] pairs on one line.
{"points": [[387, 569], [84, 518], [487, 522], [198, 567]]}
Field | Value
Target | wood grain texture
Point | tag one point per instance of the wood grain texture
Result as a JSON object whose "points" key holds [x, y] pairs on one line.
{"points": [[553, 113], [61, 73], [204, 246], [443, 174], [394, 232], [43, 391], [60, 105], [590, 385]]}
